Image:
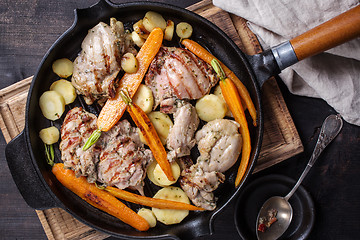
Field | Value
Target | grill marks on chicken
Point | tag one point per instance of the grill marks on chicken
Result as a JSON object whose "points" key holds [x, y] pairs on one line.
{"points": [[98, 64], [76, 129], [123, 160], [118, 158], [176, 73], [219, 144]]}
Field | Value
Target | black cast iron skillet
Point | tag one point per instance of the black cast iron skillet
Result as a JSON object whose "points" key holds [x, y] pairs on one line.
{"points": [[32, 174]]}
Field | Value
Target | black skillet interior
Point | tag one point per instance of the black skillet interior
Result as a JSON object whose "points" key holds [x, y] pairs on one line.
{"points": [[68, 45]]}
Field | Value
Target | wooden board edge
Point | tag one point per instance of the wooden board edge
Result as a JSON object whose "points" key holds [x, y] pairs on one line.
{"points": [[14, 89], [45, 224]]}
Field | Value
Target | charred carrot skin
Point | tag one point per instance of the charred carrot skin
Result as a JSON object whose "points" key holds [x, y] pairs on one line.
{"points": [[232, 98], [150, 202], [114, 108], [148, 130], [98, 198], [202, 53]]}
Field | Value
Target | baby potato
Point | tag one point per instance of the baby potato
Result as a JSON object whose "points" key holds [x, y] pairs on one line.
{"points": [[150, 173], [52, 105], [63, 67], [169, 30], [218, 93], [160, 176], [210, 107], [153, 20], [49, 135], [184, 30], [144, 98], [65, 89], [148, 215], [140, 29], [171, 216], [162, 124], [129, 63], [137, 39]]}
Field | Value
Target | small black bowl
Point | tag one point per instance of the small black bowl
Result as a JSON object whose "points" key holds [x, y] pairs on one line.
{"points": [[258, 191]]}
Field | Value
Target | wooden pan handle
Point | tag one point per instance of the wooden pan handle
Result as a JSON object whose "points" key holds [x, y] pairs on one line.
{"points": [[334, 32]]}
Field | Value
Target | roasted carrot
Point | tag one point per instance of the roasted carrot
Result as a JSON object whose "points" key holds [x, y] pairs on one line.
{"points": [[233, 100], [202, 53], [150, 202], [98, 198], [114, 108], [148, 130]]}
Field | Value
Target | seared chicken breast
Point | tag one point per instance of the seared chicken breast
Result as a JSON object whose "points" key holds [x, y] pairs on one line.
{"points": [[176, 73]]}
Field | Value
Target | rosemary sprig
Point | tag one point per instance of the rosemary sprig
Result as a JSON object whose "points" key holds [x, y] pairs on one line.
{"points": [[125, 96], [218, 69], [102, 187], [92, 139], [49, 153]]}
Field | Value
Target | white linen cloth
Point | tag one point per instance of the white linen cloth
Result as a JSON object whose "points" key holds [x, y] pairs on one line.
{"points": [[333, 75]]}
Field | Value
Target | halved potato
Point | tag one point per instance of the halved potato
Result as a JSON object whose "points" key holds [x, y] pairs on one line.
{"points": [[148, 215], [169, 30], [49, 135], [65, 89], [150, 173], [162, 124], [184, 30], [137, 39], [153, 20], [218, 92], [144, 98], [140, 29], [52, 105], [210, 107], [129, 63], [63, 67], [162, 179], [171, 216]]}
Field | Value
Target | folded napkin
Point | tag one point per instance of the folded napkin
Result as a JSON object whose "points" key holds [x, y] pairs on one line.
{"points": [[333, 75]]}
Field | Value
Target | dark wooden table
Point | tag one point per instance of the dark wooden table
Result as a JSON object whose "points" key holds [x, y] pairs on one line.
{"points": [[28, 28]]}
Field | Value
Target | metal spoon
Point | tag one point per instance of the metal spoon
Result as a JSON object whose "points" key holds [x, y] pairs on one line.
{"points": [[329, 130]]}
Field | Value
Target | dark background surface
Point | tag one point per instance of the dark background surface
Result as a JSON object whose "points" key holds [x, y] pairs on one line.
{"points": [[28, 28]]}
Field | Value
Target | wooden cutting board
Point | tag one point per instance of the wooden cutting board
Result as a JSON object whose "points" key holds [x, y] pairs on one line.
{"points": [[281, 140]]}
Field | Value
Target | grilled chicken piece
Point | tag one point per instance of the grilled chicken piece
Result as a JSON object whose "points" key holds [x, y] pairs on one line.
{"points": [[176, 73], [219, 144], [181, 137], [76, 129], [124, 159], [97, 66]]}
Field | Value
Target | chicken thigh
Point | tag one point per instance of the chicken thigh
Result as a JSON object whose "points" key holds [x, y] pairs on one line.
{"points": [[219, 144], [76, 129], [124, 159], [181, 137], [98, 64], [175, 74]]}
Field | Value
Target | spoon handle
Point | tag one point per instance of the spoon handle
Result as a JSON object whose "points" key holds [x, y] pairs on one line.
{"points": [[329, 130]]}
